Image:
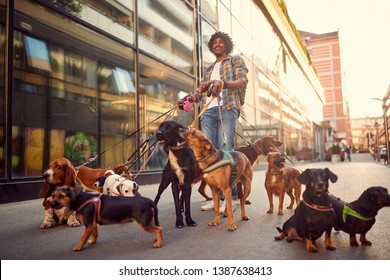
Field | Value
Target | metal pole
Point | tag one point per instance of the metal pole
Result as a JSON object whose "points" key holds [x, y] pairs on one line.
{"points": [[386, 129]]}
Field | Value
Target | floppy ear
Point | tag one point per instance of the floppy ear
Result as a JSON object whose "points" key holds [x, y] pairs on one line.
{"points": [[333, 177], [304, 177], [70, 176], [44, 190]]}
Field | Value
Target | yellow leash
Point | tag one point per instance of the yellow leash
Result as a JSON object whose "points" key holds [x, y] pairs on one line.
{"points": [[192, 125]]}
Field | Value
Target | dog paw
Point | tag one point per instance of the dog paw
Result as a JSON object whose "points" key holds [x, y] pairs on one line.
{"points": [[73, 223], [77, 248], [354, 244], [278, 237], [330, 248], [270, 211], [48, 224], [179, 224], [245, 218], [213, 223], [280, 213], [157, 245], [92, 241], [232, 228], [312, 250], [191, 224]]}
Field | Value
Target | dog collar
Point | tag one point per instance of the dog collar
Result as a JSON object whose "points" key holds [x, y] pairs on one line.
{"points": [[349, 211], [318, 207], [178, 146]]}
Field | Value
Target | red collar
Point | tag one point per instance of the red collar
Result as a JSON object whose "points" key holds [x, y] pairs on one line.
{"points": [[319, 207], [96, 201]]}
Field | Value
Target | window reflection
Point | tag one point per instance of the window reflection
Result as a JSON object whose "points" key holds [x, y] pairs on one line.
{"points": [[166, 32], [161, 87]]}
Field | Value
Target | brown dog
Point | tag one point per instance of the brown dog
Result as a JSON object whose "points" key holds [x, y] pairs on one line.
{"points": [[221, 171], [94, 209], [60, 172], [280, 180], [87, 176], [253, 152]]}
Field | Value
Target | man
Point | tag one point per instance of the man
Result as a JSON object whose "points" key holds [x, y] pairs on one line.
{"points": [[227, 77]]}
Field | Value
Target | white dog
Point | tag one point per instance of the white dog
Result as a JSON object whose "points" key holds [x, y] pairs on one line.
{"points": [[116, 185]]}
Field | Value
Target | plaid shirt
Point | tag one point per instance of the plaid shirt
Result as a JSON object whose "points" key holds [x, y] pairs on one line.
{"points": [[232, 68]]}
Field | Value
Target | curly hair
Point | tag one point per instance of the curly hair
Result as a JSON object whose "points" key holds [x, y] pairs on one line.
{"points": [[226, 40]]}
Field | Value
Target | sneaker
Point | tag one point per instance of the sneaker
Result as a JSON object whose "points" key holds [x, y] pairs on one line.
{"points": [[209, 206], [223, 206]]}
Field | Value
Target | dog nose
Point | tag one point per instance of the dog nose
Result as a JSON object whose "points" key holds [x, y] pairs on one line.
{"points": [[158, 134]]}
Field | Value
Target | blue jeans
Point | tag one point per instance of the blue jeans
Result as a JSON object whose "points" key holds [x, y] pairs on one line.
{"points": [[212, 127]]}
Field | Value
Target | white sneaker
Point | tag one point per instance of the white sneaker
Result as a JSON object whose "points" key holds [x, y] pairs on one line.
{"points": [[209, 206], [223, 206]]}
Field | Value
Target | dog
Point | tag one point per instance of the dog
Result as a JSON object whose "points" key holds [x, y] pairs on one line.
{"points": [[279, 180], [116, 185], [87, 176], [93, 209], [221, 176], [60, 172], [314, 215], [262, 146], [358, 217], [181, 171]]}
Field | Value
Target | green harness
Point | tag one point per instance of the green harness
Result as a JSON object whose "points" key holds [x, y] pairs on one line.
{"points": [[226, 160], [349, 211]]}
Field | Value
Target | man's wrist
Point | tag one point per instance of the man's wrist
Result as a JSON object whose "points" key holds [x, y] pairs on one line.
{"points": [[225, 85]]}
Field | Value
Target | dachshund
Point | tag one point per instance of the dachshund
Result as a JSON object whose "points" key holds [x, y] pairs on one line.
{"points": [[314, 215], [358, 217]]}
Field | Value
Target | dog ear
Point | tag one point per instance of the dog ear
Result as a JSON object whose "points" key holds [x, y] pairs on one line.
{"points": [[44, 190], [304, 177], [333, 177], [70, 175]]}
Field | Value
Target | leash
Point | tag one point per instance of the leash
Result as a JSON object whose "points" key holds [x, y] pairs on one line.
{"points": [[143, 166], [91, 160]]}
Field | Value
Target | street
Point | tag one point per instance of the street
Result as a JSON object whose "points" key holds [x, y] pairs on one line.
{"points": [[22, 239]]}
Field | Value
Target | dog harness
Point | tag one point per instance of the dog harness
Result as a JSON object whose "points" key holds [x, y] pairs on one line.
{"points": [[96, 202], [318, 207], [226, 160], [348, 211]]}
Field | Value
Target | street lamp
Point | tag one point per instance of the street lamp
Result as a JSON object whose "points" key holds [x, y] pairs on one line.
{"points": [[386, 127]]}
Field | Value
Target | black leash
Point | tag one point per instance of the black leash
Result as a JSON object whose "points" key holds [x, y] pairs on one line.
{"points": [[91, 160]]}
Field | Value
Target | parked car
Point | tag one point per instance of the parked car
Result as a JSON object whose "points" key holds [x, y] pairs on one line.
{"points": [[304, 154]]}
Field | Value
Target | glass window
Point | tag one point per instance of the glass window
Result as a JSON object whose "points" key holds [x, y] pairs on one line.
{"points": [[114, 17], [166, 29], [161, 87], [83, 105], [209, 10]]}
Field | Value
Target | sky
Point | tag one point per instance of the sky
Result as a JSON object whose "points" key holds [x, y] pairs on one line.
{"points": [[364, 29]]}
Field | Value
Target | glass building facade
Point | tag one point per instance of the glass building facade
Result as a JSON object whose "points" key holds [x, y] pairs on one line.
{"points": [[93, 78]]}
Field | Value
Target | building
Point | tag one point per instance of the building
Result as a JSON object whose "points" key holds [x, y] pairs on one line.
{"points": [[90, 80], [326, 55], [365, 134]]}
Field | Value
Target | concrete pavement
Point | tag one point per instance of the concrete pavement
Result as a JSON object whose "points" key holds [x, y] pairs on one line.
{"points": [[22, 239]]}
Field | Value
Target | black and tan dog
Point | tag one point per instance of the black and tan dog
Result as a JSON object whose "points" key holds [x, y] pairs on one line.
{"points": [[93, 209], [358, 217], [315, 214], [181, 171], [221, 171], [279, 180]]}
